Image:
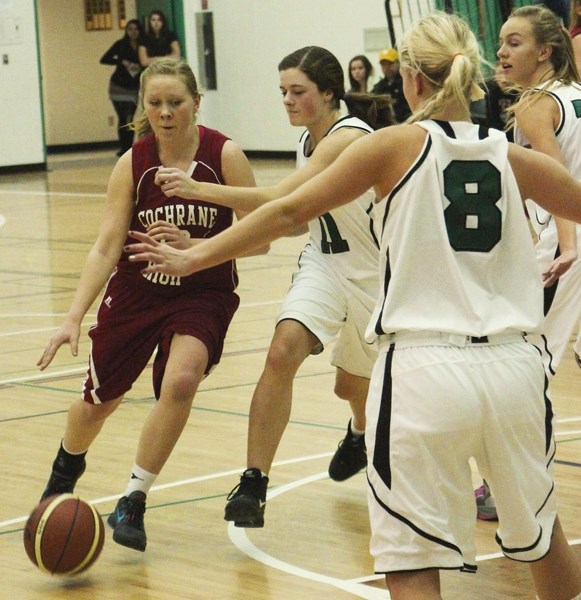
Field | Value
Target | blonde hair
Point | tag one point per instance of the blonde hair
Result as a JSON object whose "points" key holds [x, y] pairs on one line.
{"points": [[176, 67], [547, 30], [442, 48]]}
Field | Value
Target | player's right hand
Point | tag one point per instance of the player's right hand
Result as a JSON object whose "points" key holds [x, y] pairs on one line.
{"points": [[67, 333]]}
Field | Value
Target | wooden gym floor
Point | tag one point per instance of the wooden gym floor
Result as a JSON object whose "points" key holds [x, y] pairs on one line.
{"points": [[315, 541]]}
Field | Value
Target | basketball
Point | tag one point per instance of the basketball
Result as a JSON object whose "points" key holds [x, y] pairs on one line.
{"points": [[64, 535]]}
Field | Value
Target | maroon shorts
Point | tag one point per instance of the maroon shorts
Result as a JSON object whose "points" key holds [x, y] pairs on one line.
{"points": [[132, 324]]}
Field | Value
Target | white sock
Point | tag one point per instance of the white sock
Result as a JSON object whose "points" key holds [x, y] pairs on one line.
{"points": [[356, 431], [139, 481], [72, 453]]}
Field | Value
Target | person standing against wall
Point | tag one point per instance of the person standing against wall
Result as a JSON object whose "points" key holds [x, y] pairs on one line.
{"points": [[124, 82], [359, 71], [158, 40]]}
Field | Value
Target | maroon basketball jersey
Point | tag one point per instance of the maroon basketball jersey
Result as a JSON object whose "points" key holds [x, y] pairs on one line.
{"points": [[196, 218]]}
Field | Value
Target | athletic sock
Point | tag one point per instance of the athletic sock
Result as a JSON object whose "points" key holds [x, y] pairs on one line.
{"points": [[356, 432], [139, 481]]}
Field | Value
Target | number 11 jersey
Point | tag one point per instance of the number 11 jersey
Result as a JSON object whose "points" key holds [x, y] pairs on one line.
{"points": [[344, 235]]}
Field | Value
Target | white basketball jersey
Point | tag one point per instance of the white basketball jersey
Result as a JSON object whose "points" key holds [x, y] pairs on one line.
{"points": [[344, 236], [568, 134], [456, 251]]}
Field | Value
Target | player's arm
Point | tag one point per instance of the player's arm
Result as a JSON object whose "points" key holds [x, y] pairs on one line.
{"points": [[101, 260], [247, 199], [539, 122], [360, 167], [547, 182]]}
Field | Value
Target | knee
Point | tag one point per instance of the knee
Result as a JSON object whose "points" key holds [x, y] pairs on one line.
{"points": [[284, 356], [351, 387], [343, 390], [96, 413], [181, 388]]}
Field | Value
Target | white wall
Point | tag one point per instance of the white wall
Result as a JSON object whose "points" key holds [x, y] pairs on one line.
{"points": [[20, 100], [251, 37]]}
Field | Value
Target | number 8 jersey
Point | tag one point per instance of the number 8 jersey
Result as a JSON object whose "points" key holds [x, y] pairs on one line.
{"points": [[345, 235], [444, 255]]}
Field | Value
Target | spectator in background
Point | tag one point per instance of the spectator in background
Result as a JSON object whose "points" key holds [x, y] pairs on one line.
{"points": [[124, 82], [158, 40], [391, 83], [360, 70]]}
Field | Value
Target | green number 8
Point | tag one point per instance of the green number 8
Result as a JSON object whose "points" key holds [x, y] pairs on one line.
{"points": [[473, 221]]}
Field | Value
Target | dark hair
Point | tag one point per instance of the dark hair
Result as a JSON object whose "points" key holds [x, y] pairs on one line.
{"points": [[325, 71], [368, 68], [137, 24], [164, 31]]}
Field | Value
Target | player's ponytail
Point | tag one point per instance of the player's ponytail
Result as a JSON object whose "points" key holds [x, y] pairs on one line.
{"points": [[442, 49]]}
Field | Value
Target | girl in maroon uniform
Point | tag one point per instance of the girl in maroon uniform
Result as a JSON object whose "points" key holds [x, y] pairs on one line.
{"points": [[182, 319]]}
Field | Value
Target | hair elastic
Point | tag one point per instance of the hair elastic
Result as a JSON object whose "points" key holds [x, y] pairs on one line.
{"points": [[457, 54], [345, 96]]}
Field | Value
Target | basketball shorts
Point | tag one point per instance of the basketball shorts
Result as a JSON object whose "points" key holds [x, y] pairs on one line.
{"points": [[430, 409], [333, 307], [562, 305], [132, 325]]}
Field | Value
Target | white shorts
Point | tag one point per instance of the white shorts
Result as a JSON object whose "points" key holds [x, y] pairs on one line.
{"points": [[562, 304], [430, 409], [329, 305]]}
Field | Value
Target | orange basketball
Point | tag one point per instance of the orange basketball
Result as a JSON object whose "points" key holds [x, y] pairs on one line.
{"points": [[64, 535]]}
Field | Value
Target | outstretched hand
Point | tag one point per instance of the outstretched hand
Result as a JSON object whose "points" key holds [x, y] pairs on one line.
{"points": [[162, 258]]}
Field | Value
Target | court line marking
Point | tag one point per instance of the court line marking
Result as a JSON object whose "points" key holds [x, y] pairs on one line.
{"points": [[239, 538], [181, 482], [354, 586], [47, 193]]}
